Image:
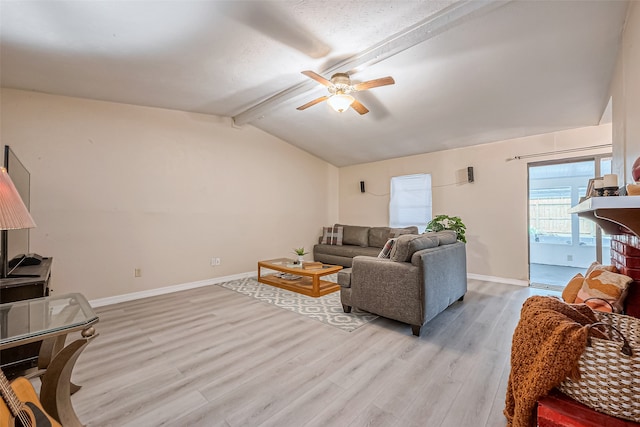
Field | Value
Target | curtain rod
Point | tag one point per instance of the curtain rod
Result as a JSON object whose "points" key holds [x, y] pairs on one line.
{"points": [[570, 150]]}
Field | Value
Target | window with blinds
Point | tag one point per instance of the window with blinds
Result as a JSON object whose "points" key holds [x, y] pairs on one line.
{"points": [[410, 202]]}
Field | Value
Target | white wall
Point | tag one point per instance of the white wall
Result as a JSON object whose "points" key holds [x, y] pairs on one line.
{"points": [[626, 98], [494, 207], [116, 187]]}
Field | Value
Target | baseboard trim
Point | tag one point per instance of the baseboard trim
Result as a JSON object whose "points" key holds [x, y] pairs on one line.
{"points": [[498, 279], [100, 302]]}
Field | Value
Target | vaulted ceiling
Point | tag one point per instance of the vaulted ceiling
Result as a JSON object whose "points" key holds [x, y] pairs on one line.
{"points": [[466, 72]]}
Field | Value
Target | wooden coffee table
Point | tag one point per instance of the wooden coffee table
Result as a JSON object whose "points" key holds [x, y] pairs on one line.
{"points": [[308, 281]]}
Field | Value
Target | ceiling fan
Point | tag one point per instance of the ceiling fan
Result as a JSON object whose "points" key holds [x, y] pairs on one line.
{"points": [[340, 89]]}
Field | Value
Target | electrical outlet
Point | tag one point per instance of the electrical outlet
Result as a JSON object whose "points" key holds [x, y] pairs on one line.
{"points": [[137, 272], [215, 261], [569, 257]]}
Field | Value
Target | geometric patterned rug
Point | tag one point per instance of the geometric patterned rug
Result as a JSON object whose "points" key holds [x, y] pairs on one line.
{"points": [[326, 309]]}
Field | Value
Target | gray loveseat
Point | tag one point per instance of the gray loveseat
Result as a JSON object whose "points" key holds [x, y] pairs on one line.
{"points": [[357, 240], [425, 275]]}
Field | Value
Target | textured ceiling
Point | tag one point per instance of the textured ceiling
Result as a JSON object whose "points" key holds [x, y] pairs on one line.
{"points": [[466, 72]]}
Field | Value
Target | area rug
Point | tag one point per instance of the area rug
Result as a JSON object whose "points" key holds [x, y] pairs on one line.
{"points": [[326, 309]]}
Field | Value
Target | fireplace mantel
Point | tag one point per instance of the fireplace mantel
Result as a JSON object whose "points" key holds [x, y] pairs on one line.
{"points": [[610, 213]]}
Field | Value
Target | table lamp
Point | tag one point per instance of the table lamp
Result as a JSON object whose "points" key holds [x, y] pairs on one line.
{"points": [[13, 215]]}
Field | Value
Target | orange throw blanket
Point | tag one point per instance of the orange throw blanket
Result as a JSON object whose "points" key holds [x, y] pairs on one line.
{"points": [[547, 344]]}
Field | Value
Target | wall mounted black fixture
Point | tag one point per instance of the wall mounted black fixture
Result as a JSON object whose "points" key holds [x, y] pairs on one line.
{"points": [[362, 186], [470, 173]]}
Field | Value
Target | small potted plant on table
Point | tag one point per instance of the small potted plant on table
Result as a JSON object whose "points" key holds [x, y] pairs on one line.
{"points": [[301, 253]]}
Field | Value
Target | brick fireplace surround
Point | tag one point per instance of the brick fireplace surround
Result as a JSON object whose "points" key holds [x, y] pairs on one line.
{"points": [[558, 410], [625, 255]]}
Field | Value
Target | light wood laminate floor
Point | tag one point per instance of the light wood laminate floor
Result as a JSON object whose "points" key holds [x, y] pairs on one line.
{"points": [[213, 357]]}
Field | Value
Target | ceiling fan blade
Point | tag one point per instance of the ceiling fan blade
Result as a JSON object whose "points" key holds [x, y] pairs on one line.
{"points": [[317, 77], [356, 105], [374, 83], [312, 103]]}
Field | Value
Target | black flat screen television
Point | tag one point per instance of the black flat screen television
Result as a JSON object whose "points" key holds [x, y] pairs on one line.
{"points": [[15, 241]]}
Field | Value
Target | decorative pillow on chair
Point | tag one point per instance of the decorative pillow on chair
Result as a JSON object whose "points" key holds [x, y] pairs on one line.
{"points": [[332, 236], [386, 249], [570, 291], [605, 285]]}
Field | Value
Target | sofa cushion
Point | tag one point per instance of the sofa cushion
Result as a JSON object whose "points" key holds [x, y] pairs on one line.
{"points": [[332, 236], [407, 244], [445, 237], [355, 235], [386, 250], [378, 236], [345, 251], [422, 242], [396, 232]]}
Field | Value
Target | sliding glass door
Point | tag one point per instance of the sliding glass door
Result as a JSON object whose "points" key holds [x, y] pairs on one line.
{"points": [[560, 244]]}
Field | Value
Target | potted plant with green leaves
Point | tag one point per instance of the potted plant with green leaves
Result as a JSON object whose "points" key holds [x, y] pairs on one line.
{"points": [[301, 253], [446, 222]]}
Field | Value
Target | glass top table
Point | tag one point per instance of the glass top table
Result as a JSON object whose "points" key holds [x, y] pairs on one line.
{"points": [[50, 319], [36, 319]]}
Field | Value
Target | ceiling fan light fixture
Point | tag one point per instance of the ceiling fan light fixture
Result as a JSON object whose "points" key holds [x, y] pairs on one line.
{"points": [[340, 102]]}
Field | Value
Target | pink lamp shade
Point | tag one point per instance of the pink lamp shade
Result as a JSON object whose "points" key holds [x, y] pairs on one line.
{"points": [[13, 213]]}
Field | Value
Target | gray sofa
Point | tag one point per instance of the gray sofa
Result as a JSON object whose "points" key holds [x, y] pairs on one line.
{"points": [[425, 275], [357, 240]]}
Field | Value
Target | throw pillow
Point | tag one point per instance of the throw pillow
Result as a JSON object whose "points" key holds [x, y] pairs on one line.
{"points": [[597, 266], [594, 304], [570, 291], [608, 286], [386, 249], [332, 236]]}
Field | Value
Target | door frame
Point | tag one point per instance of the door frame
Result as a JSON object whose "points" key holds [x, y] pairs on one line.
{"points": [[597, 160]]}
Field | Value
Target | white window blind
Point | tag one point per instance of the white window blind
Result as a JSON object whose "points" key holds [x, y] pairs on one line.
{"points": [[410, 202]]}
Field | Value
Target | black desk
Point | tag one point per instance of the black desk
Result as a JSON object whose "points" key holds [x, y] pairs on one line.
{"points": [[16, 360], [36, 285]]}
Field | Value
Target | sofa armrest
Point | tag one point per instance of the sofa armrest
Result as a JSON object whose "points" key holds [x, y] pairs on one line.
{"points": [[388, 288], [443, 271]]}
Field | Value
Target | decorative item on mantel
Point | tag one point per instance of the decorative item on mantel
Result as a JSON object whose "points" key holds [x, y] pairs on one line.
{"points": [[598, 187], [610, 185], [633, 189]]}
